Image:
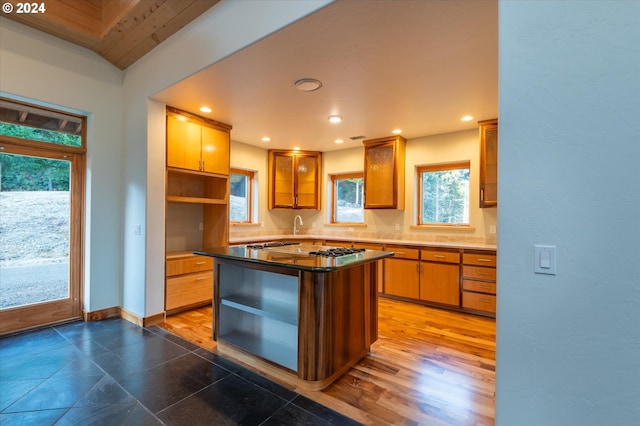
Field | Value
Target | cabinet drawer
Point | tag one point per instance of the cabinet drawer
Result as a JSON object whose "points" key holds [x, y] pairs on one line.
{"points": [[403, 252], [479, 286], [479, 259], [440, 256], [479, 272], [187, 265], [189, 289], [481, 302]]}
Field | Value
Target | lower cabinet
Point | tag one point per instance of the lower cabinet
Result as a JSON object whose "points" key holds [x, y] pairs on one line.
{"points": [[402, 272], [440, 276], [189, 281], [479, 281], [458, 278]]}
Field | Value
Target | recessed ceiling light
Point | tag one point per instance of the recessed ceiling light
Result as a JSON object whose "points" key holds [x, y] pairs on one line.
{"points": [[396, 131], [205, 109], [339, 141], [266, 139], [308, 84], [335, 118], [467, 118]]}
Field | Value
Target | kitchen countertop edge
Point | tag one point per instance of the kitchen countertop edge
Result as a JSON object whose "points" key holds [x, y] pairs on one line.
{"points": [[443, 244]]}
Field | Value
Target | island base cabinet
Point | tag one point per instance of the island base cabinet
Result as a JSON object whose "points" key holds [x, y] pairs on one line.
{"points": [[259, 313], [314, 325]]}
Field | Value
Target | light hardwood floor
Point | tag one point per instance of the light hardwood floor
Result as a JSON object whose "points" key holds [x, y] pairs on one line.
{"points": [[428, 367]]}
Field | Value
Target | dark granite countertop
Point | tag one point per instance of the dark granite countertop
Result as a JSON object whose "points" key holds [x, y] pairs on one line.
{"points": [[294, 257]]}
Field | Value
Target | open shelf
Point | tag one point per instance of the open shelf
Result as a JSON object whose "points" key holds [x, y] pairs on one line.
{"points": [[185, 186], [280, 352], [279, 311]]}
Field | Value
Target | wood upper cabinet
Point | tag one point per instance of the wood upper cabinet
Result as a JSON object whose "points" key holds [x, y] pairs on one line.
{"points": [[488, 163], [197, 143], [294, 179], [384, 168]]}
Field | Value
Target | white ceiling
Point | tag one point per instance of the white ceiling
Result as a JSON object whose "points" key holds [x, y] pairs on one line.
{"points": [[415, 65]]}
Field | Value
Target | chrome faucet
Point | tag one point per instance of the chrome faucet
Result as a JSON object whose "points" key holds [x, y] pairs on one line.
{"points": [[295, 220]]}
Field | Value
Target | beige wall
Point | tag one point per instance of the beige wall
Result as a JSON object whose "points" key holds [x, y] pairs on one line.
{"points": [[443, 148]]}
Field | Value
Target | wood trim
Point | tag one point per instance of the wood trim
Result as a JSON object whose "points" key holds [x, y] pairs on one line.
{"points": [[250, 174], [436, 168], [341, 176], [102, 314]]}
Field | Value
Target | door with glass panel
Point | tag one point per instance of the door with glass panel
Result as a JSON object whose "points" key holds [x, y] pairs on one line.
{"points": [[41, 226]]}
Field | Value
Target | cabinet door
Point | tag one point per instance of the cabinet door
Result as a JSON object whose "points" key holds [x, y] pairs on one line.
{"points": [[384, 173], [379, 176], [183, 144], [215, 151], [489, 163], [282, 181], [306, 182], [440, 283], [401, 278]]}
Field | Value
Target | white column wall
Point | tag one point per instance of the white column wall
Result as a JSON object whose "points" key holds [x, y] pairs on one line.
{"points": [[568, 345]]}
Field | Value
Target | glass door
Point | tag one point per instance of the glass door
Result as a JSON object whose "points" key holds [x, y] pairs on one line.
{"points": [[40, 256]]}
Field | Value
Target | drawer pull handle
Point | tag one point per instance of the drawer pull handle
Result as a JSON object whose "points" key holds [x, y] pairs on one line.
{"points": [[439, 256], [484, 273], [484, 287], [200, 263], [484, 260], [400, 252], [201, 278], [485, 301]]}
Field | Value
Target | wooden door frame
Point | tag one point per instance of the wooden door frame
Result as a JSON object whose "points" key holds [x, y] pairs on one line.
{"points": [[40, 314]]}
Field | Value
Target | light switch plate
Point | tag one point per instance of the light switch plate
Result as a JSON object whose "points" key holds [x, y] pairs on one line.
{"points": [[544, 259]]}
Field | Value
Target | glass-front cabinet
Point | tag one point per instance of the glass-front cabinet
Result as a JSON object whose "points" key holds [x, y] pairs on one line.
{"points": [[294, 179]]}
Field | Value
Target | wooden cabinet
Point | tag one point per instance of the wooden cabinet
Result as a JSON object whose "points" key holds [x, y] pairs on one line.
{"points": [[197, 204], [488, 163], [479, 281], [402, 272], [189, 281], [294, 179], [197, 143], [384, 169], [440, 276]]}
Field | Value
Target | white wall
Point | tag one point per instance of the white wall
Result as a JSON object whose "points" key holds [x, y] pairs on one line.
{"points": [[37, 68], [568, 346]]}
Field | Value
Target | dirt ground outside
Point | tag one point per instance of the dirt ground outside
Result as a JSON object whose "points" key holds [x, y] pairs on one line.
{"points": [[34, 246]]}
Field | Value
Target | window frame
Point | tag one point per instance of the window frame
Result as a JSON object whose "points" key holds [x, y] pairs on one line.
{"points": [[440, 167], [333, 178], [250, 191]]}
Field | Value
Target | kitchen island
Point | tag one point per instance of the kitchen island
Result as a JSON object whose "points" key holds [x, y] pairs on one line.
{"points": [[294, 311]]}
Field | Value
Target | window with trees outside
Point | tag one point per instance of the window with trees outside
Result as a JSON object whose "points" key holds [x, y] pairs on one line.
{"points": [[241, 196], [347, 198], [443, 194]]}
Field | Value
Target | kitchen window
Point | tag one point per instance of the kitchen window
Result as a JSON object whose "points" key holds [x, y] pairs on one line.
{"points": [[443, 194], [347, 192], [241, 196]]}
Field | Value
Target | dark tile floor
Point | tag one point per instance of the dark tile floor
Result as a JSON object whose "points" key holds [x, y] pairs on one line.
{"points": [[114, 373]]}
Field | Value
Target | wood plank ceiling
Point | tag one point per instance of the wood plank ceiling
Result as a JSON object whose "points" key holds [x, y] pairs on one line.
{"points": [[121, 31]]}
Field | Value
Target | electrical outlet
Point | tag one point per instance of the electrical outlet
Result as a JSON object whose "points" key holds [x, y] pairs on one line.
{"points": [[397, 226], [492, 229]]}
